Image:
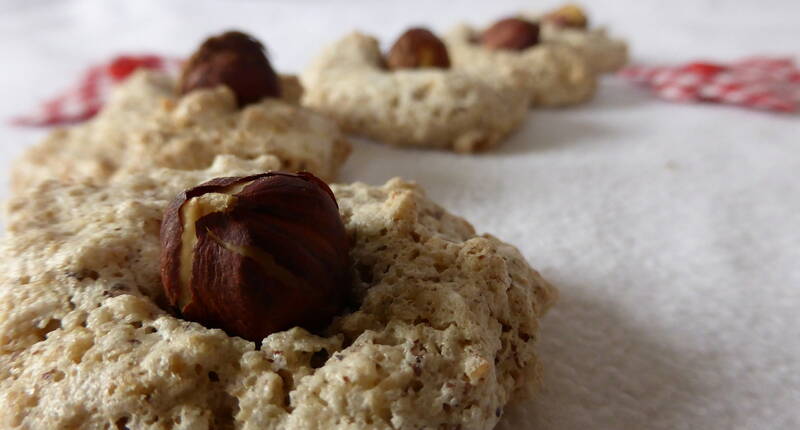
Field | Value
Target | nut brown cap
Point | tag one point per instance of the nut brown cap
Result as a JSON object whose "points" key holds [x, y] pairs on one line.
{"points": [[511, 34], [417, 48], [569, 15], [255, 255], [236, 60]]}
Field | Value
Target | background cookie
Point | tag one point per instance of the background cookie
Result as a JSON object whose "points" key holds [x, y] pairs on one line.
{"points": [[145, 126], [443, 334], [440, 108], [571, 26], [670, 228], [603, 53], [551, 74]]}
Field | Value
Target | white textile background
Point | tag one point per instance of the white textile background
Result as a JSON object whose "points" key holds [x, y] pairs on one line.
{"points": [[672, 231]]}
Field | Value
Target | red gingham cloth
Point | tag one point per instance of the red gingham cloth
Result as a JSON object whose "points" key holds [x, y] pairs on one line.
{"points": [[759, 82], [87, 96]]}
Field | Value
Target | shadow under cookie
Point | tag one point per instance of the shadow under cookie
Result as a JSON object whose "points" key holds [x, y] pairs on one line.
{"points": [[602, 370]]}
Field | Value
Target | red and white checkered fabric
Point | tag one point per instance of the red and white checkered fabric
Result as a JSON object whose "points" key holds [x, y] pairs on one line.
{"points": [[88, 95], [759, 82]]}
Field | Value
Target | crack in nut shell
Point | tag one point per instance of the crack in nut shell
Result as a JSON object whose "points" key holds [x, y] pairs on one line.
{"points": [[417, 48], [236, 60], [276, 258], [511, 34]]}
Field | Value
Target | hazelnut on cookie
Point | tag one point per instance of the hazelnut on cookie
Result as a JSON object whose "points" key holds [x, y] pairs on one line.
{"points": [[410, 96], [512, 53], [228, 100], [570, 25], [230, 298]]}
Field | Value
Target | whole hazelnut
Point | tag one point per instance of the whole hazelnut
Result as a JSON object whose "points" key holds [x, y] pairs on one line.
{"points": [[255, 255], [512, 34], [569, 15], [236, 60], [417, 48]]}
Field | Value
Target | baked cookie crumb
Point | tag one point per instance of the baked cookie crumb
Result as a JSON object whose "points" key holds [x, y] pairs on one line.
{"points": [[429, 107], [602, 52], [551, 74], [441, 333], [146, 126]]}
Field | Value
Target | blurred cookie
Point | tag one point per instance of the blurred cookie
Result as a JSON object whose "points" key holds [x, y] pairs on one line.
{"points": [[146, 126], [511, 54], [403, 100], [569, 25], [227, 101]]}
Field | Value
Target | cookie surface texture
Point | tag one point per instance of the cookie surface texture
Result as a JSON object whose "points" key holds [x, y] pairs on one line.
{"points": [[551, 74], [427, 107], [603, 52], [441, 334]]}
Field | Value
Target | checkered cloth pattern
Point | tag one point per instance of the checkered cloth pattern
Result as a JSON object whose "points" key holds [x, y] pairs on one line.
{"points": [[760, 83], [83, 100]]}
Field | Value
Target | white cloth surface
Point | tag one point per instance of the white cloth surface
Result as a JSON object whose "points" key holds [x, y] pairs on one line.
{"points": [[672, 231]]}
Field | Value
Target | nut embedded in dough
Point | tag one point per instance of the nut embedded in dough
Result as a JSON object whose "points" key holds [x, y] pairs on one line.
{"points": [[233, 59], [443, 330], [570, 26], [512, 34], [551, 74], [255, 255], [422, 107], [417, 48]]}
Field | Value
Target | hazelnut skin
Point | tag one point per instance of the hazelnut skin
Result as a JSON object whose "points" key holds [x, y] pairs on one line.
{"points": [[257, 254], [569, 15], [511, 34], [417, 48], [236, 60]]}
